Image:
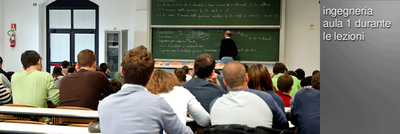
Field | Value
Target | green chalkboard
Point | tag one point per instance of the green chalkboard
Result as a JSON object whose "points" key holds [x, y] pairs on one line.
{"points": [[215, 12], [253, 44]]}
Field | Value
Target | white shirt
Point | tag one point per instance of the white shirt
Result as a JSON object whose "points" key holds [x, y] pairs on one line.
{"points": [[188, 77], [182, 101], [241, 107]]}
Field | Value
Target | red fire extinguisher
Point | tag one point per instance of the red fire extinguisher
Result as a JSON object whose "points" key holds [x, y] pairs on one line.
{"points": [[11, 33]]}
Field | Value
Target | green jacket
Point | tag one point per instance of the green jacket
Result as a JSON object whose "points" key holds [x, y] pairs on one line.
{"points": [[295, 87], [34, 88]]}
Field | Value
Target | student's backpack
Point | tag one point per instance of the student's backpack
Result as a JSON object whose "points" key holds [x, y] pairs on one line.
{"points": [[292, 130], [231, 129]]}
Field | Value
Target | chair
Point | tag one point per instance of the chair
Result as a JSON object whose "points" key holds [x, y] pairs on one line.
{"points": [[219, 64], [159, 63], [4, 117], [20, 105], [175, 63], [79, 125], [191, 64], [75, 108], [72, 121], [50, 104], [26, 122]]}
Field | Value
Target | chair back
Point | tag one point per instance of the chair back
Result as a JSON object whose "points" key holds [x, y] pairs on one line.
{"points": [[79, 125], [75, 108], [219, 64], [159, 63], [175, 63], [4, 117], [20, 105], [191, 64], [26, 122], [72, 121]]}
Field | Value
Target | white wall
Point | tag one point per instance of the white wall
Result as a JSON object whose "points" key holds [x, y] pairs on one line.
{"points": [[141, 22], [42, 31], [302, 48], [26, 16], [2, 31], [115, 13]]}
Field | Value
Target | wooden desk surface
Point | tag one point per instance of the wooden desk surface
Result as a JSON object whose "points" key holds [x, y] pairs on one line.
{"points": [[49, 112], [35, 128]]}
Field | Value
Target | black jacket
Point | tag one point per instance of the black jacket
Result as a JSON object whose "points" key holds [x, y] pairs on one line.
{"points": [[228, 48], [5, 74]]}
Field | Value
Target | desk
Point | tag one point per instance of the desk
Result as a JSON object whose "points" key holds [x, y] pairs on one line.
{"points": [[288, 110], [189, 119], [49, 112], [35, 128]]}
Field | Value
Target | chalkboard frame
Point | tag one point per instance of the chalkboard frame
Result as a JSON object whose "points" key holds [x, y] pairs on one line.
{"points": [[281, 27]]}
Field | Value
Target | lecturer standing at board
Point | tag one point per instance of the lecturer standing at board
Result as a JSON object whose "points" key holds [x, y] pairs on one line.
{"points": [[228, 49]]}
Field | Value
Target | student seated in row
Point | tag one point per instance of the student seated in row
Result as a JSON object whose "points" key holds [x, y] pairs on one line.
{"points": [[285, 83], [305, 113], [188, 73], [71, 69], [8, 77], [65, 66], [280, 69], [86, 87], [166, 85], [104, 69], [32, 86], [57, 75], [242, 105], [5, 94], [180, 74], [133, 109], [300, 74], [205, 87], [260, 79]]}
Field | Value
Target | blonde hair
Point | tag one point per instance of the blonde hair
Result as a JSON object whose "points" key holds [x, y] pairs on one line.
{"points": [[162, 82]]}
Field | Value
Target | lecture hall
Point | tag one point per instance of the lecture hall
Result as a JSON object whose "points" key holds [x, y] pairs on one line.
{"points": [[160, 66]]}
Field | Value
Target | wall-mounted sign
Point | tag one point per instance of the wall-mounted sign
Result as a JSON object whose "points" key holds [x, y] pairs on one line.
{"points": [[311, 26], [13, 26]]}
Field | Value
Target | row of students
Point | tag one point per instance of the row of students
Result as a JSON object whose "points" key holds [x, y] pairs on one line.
{"points": [[259, 78], [82, 89], [135, 109]]}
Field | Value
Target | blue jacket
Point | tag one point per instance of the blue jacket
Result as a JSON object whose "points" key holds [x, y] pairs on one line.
{"points": [[305, 112], [204, 91], [135, 110]]}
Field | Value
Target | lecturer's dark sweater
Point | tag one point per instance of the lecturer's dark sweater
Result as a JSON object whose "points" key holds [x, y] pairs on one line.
{"points": [[228, 48], [84, 89]]}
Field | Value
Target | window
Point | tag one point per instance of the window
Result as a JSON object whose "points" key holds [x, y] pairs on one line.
{"points": [[72, 26]]}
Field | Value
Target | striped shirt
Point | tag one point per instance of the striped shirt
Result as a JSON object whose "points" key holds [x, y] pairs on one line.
{"points": [[5, 96]]}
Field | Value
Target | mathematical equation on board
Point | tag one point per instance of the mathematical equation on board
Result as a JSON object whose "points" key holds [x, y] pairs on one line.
{"points": [[200, 50], [169, 36], [192, 41], [171, 8]]}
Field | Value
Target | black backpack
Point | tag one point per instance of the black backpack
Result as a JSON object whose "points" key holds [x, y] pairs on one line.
{"points": [[292, 130], [231, 129]]}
